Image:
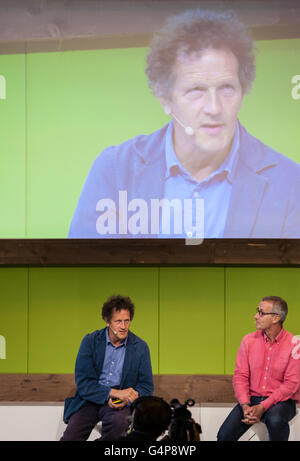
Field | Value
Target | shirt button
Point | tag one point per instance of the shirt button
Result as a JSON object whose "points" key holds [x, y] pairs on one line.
{"points": [[196, 194], [264, 387]]}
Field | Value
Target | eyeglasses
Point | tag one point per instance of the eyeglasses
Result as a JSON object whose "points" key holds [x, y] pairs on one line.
{"points": [[262, 314]]}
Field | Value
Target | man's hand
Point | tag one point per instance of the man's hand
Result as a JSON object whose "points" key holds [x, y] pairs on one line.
{"points": [[117, 406], [124, 394], [252, 414], [246, 411]]}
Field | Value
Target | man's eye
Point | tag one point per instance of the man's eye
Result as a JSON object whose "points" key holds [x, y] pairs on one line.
{"points": [[194, 92], [227, 90]]}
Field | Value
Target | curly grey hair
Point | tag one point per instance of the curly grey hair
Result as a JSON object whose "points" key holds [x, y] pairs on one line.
{"points": [[192, 32]]}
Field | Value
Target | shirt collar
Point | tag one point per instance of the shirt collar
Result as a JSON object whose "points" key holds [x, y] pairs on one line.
{"points": [[278, 337], [108, 341], [228, 166]]}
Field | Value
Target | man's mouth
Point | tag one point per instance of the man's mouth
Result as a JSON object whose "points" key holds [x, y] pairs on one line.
{"points": [[212, 128]]}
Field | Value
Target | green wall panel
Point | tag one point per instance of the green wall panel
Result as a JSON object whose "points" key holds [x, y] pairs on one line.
{"points": [[191, 320], [14, 319], [65, 304], [12, 146], [244, 289]]}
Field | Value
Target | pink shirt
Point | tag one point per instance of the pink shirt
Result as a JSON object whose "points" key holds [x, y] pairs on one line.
{"points": [[268, 369]]}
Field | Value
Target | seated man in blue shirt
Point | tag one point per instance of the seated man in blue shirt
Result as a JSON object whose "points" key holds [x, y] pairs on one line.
{"points": [[203, 175], [113, 368]]}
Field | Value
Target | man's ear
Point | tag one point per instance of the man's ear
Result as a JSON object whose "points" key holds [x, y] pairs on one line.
{"points": [[276, 320], [106, 321]]}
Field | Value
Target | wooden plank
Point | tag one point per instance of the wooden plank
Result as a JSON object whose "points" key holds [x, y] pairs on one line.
{"points": [[201, 388], [56, 387], [36, 387], [85, 252], [31, 26]]}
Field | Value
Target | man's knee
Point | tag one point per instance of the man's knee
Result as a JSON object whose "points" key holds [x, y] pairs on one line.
{"points": [[280, 414], [225, 434], [222, 434], [275, 421], [117, 419], [81, 423], [120, 419]]}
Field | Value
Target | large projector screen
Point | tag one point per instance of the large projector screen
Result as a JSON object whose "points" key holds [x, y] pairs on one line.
{"points": [[88, 151]]}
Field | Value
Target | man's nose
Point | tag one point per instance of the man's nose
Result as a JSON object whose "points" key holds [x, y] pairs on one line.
{"points": [[212, 103]]}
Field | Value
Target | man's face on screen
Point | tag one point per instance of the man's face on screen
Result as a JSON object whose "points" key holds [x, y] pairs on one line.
{"points": [[206, 96]]}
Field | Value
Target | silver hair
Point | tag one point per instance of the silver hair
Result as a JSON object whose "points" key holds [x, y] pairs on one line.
{"points": [[279, 306]]}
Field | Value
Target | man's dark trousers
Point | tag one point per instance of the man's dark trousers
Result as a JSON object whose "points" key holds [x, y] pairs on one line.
{"points": [[276, 418], [114, 422]]}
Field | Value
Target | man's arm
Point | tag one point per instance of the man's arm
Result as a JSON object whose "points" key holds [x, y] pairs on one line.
{"points": [[289, 385], [241, 384], [124, 394], [141, 381], [86, 377], [291, 228], [144, 385], [137, 372], [99, 184], [241, 376]]}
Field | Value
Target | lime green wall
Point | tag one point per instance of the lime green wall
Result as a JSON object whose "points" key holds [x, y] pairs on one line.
{"points": [[62, 109], [12, 147], [193, 318], [14, 319]]}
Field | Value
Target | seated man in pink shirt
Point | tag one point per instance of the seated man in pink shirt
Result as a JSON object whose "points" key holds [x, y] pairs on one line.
{"points": [[266, 379]]}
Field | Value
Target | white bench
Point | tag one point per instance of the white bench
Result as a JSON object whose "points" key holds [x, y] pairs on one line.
{"points": [[43, 422]]}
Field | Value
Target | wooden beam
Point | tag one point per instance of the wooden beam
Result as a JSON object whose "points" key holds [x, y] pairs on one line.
{"points": [[57, 387], [55, 25], [201, 388], [97, 252], [36, 387]]}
